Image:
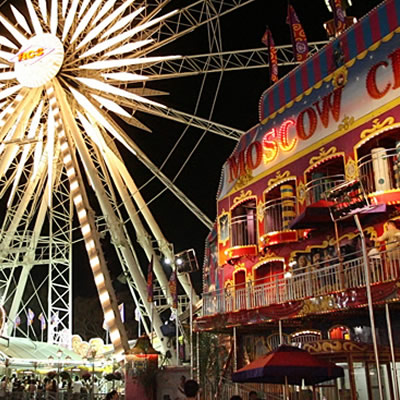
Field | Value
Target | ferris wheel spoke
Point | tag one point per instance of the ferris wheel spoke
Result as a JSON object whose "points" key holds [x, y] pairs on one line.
{"points": [[21, 20], [70, 19], [192, 17], [89, 232], [43, 9], [34, 17], [240, 60], [15, 33]]}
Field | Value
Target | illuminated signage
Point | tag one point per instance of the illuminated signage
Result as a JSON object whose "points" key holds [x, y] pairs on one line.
{"points": [[39, 60]]}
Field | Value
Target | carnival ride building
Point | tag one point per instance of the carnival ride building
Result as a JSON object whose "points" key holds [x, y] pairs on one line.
{"points": [[301, 200]]}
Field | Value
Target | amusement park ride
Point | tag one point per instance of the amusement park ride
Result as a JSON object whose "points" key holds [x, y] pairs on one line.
{"points": [[68, 69]]}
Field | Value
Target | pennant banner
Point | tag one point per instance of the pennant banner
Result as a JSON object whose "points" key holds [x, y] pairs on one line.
{"points": [[17, 320], [268, 40], [298, 36], [54, 319], [31, 316], [42, 320], [173, 289], [338, 16], [150, 281], [121, 309]]}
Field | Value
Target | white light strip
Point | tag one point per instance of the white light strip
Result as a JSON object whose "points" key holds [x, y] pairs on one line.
{"points": [[91, 109], [123, 22], [107, 64], [70, 18], [109, 316], [14, 32], [54, 17], [95, 32], [107, 88], [43, 9], [112, 106], [85, 20], [64, 7], [124, 76], [34, 18], [83, 7], [6, 76], [4, 66], [128, 48], [104, 297], [9, 91], [106, 8], [8, 43], [5, 55], [21, 20], [38, 153]]}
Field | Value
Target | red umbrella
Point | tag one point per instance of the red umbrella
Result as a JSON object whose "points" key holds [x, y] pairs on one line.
{"points": [[288, 364]]}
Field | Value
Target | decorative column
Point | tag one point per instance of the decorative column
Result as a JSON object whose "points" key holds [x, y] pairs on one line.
{"points": [[288, 205]]}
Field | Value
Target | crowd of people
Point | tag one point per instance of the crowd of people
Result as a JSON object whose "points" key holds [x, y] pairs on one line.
{"points": [[48, 388]]}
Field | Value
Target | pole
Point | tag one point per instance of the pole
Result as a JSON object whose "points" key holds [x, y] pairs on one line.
{"points": [[235, 360], [177, 336], [191, 331], [370, 304], [285, 386], [198, 357], [139, 327], [151, 323], [392, 353]]}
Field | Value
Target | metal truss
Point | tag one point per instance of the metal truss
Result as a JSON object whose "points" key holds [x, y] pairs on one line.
{"points": [[239, 60]]}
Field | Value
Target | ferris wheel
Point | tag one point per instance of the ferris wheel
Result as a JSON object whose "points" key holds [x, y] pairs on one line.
{"points": [[71, 71]]}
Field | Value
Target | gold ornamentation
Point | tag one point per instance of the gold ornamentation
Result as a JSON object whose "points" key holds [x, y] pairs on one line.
{"points": [[346, 123], [278, 178], [260, 211], [335, 346], [377, 126], [243, 195], [223, 227], [323, 154], [318, 305], [301, 192], [243, 180], [339, 77], [351, 170]]}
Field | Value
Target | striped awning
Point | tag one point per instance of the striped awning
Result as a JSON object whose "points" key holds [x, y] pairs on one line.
{"points": [[378, 23]]}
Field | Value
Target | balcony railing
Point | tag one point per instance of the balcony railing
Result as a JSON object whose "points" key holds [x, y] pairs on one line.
{"points": [[274, 213], [316, 189], [312, 281], [380, 170], [244, 230]]}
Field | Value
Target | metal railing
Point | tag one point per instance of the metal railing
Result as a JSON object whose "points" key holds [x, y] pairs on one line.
{"points": [[315, 189], [244, 230], [311, 281], [273, 210], [380, 170]]}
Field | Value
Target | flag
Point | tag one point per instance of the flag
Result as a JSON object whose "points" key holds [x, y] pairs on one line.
{"points": [[54, 320], [338, 16], [173, 289], [137, 314], [42, 320], [272, 56], [17, 321], [31, 316], [297, 34], [121, 309], [150, 281]]}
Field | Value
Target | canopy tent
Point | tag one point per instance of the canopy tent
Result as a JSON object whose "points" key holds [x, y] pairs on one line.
{"points": [[288, 364], [23, 352]]}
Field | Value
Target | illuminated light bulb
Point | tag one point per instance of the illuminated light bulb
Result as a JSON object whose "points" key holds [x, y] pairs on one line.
{"points": [[78, 199], [104, 298], [67, 158], [99, 279], [115, 336], [94, 261], [90, 244], [109, 316], [74, 186], [86, 229]]}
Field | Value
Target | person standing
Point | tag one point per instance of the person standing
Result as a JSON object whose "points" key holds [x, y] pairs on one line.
{"points": [[191, 388], [76, 389]]}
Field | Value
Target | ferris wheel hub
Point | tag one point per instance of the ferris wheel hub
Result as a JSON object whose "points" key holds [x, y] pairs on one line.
{"points": [[39, 60]]}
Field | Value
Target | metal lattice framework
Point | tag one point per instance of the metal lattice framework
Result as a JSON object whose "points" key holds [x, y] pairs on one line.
{"points": [[66, 68]]}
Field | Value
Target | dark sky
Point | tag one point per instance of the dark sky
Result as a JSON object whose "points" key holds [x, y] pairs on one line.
{"points": [[236, 105]]}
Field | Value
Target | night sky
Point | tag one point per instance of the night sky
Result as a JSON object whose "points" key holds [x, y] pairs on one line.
{"points": [[236, 106]]}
